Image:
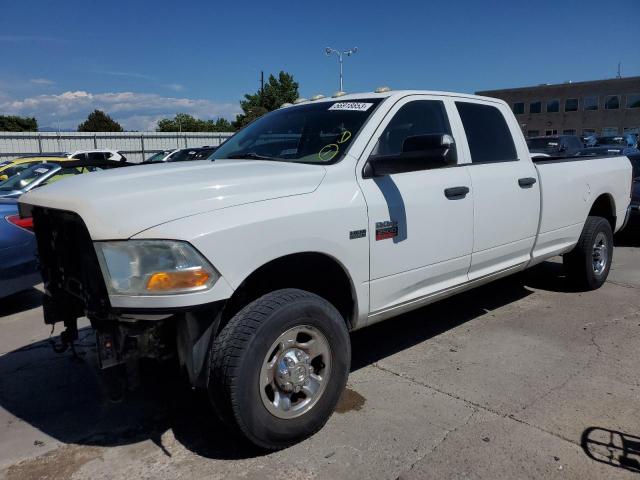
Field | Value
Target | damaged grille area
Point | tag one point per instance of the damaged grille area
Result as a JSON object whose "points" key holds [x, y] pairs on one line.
{"points": [[69, 265]]}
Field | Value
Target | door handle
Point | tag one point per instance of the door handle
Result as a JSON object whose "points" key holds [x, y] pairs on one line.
{"points": [[526, 182], [456, 193]]}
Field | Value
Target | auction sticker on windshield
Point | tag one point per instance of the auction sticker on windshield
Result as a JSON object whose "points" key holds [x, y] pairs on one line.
{"points": [[352, 106]]}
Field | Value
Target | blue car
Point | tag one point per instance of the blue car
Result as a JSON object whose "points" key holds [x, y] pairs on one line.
{"points": [[18, 263]]}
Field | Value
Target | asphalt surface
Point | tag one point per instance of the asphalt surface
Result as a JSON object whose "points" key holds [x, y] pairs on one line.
{"points": [[523, 378]]}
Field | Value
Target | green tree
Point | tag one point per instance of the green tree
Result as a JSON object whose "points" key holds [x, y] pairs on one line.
{"points": [[184, 122], [12, 123], [277, 91], [98, 121]]}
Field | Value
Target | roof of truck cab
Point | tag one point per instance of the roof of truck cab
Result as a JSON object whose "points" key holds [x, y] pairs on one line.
{"points": [[398, 94]]}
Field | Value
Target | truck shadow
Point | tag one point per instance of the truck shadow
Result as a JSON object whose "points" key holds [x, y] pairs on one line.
{"points": [[630, 236], [20, 302], [62, 396]]}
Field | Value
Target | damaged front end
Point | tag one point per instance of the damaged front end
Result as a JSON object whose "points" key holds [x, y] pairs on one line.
{"points": [[75, 288]]}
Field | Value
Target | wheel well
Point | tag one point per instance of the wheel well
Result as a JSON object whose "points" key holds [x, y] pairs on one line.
{"points": [[314, 272], [604, 207]]}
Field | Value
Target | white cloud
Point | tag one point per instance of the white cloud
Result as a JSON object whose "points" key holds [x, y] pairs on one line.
{"points": [[28, 38], [41, 81], [134, 111], [124, 74], [176, 87]]}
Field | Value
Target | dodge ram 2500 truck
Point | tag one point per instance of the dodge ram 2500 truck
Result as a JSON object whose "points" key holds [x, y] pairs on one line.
{"points": [[319, 218]]}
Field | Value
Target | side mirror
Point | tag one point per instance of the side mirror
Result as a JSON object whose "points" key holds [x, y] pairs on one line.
{"points": [[419, 152]]}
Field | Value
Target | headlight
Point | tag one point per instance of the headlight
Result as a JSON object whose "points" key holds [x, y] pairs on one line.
{"points": [[153, 267]]}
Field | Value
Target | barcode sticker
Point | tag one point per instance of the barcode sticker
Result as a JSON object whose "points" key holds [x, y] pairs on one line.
{"points": [[351, 106]]}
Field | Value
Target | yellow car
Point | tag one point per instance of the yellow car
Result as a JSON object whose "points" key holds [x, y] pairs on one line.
{"points": [[11, 167]]}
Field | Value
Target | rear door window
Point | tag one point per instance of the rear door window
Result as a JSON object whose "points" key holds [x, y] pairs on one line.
{"points": [[97, 156], [487, 132]]}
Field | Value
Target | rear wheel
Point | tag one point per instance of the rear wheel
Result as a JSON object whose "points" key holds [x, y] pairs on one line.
{"points": [[279, 366], [588, 264]]}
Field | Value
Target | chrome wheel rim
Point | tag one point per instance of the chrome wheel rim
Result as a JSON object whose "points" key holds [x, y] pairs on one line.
{"points": [[600, 255], [295, 372]]}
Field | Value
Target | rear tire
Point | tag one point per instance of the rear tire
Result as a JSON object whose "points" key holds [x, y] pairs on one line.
{"points": [[279, 366], [588, 264]]}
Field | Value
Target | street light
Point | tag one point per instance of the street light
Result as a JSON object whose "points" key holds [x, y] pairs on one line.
{"points": [[329, 51]]}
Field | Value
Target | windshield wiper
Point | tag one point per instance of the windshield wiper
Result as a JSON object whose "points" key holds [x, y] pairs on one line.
{"points": [[252, 156]]}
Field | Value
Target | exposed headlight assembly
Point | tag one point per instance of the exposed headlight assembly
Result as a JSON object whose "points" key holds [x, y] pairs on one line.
{"points": [[153, 267]]}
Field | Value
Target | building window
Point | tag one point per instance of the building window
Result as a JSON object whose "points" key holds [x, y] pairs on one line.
{"points": [[535, 107], [518, 108], [571, 105], [588, 131], [550, 132], [590, 103], [633, 100], [634, 130], [612, 102], [609, 131], [569, 132], [553, 106], [533, 133]]}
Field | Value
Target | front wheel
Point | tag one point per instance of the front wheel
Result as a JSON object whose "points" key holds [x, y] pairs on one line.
{"points": [[279, 366], [588, 264]]}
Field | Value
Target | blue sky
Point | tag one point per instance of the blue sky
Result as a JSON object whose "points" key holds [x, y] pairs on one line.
{"points": [[142, 60]]}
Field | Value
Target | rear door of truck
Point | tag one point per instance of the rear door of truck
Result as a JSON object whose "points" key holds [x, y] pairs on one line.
{"points": [[505, 187]]}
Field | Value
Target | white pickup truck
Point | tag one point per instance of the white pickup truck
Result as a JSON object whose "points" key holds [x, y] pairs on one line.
{"points": [[317, 219]]}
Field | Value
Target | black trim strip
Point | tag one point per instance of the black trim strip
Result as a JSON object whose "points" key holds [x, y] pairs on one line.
{"points": [[546, 160]]}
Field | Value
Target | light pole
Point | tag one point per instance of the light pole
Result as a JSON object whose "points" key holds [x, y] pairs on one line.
{"points": [[329, 51]]}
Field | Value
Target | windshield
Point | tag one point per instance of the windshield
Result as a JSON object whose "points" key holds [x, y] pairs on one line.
{"points": [[184, 154], [21, 179], [550, 144], [617, 140], [310, 133], [157, 157], [204, 153]]}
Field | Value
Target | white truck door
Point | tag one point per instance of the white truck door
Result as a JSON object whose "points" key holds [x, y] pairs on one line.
{"points": [[505, 187], [420, 239]]}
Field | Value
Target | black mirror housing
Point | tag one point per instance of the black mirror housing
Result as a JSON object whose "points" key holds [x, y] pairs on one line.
{"points": [[419, 152]]}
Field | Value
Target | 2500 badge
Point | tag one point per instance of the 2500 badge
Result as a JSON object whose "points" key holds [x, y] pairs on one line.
{"points": [[386, 229]]}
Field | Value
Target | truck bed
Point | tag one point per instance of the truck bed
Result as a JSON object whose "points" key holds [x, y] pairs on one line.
{"points": [[569, 186]]}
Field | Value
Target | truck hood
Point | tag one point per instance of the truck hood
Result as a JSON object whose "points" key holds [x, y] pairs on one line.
{"points": [[119, 203]]}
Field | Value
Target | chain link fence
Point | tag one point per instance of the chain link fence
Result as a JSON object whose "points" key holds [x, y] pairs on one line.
{"points": [[136, 146]]}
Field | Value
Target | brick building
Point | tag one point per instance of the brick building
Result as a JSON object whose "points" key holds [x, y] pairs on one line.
{"points": [[604, 107]]}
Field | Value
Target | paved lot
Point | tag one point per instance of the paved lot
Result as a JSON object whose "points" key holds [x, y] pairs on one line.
{"points": [[518, 379]]}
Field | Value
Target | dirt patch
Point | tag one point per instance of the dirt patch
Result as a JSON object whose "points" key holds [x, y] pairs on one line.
{"points": [[350, 401], [59, 464]]}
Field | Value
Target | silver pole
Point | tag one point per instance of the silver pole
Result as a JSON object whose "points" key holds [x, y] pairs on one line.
{"points": [[329, 51], [340, 57]]}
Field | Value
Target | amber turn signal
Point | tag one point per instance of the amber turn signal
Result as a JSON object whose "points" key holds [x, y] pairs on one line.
{"points": [[178, 280]]}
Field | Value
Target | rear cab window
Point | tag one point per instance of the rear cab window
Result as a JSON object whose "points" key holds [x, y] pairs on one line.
{"points": [[488, 135]]}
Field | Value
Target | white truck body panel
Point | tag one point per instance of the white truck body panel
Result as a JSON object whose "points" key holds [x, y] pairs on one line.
{"points": [[241, 214], [111, 204], [564, 213]]}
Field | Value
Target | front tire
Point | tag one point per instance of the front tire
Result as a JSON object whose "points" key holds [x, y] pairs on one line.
{"points": [[588, 264], [279, 366]]}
